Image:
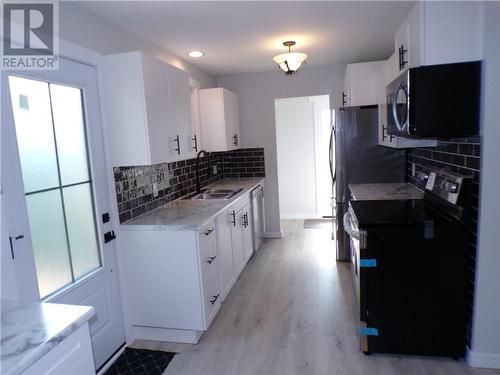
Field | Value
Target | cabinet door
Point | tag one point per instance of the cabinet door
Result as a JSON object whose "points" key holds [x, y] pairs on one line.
{"points": [[159, 114], [237, 241], [231, 118], [364, 83], [346, 97], [401, 45], [223, 225], [247, 234], [180, 100]]}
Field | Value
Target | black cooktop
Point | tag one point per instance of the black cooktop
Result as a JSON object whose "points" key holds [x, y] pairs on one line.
{"points": [[393, 212]]}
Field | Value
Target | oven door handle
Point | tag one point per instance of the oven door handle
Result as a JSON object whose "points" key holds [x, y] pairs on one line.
{"points": [[348, 228]]}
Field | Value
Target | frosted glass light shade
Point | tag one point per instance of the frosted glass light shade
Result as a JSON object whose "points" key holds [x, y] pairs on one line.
{"points": [[290, 62]]}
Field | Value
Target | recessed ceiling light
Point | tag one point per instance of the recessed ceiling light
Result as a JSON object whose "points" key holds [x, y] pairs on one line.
{"points": [[195, 54]]}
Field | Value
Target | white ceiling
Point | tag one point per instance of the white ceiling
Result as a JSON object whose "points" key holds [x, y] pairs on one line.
{"points": [[243, 36]]}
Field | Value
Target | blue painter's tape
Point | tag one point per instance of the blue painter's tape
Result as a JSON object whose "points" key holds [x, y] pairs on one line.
{"points": [[368, 262], [368, 331]]}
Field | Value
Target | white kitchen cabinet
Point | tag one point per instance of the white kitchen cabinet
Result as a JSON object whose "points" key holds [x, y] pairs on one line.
{"points": [[223, 224], [180, 101], [362, 84], [234, 243], [72, 356], [241, 237], [219, 119], [387, 73], [147, 109], [440, 33], [172, 280]]}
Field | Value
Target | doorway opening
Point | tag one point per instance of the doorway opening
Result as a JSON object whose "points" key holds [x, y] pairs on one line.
{"points": [[303, 126]]}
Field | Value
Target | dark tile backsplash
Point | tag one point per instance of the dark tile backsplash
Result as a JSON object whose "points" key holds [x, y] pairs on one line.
{"points": [[460, 155], [248, 162], [134, 185]]}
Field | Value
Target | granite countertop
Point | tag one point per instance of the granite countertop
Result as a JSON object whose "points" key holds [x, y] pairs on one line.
{"points": [[29, 331], [186, 214], [391, 191]]}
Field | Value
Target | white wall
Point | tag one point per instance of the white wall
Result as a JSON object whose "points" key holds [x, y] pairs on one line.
{"points": [[82, 27], [295, 157], [485, 351], [257, 92]]}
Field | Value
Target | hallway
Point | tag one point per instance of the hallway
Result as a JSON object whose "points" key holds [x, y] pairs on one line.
{"points": [[291, 312]]}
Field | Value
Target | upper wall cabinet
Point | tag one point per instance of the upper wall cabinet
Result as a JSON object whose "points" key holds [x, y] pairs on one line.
{"points": [[147, 108], [440, 32], [361, 84], [219, 119]]}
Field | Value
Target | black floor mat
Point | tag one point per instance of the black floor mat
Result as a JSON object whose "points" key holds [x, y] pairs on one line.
{"points": [[140, 361]]}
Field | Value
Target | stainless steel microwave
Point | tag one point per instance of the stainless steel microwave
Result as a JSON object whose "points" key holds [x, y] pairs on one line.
{"points": [[439, 101]]}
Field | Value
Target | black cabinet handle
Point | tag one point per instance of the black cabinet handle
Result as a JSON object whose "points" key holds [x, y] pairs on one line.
{"points": [[233, 220], [384, 130], [21, 236], [402, 53], [211, 259], [213, 299], [344, 97], [178, 149], [207, 233], [245, 218], [195, 140]]}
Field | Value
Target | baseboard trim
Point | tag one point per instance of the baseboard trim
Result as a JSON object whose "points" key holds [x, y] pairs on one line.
{"points": [[273, 234], [482, 360], [183, 336]]}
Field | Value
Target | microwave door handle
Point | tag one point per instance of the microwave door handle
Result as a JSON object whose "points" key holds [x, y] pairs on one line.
{"points": [[347, 226]]}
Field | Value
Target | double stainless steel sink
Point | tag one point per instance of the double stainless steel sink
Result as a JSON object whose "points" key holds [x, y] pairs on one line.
{"points": [[215, 194]]}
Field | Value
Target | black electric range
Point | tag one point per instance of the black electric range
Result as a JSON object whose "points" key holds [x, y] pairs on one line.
{"points": [[409, 260]]}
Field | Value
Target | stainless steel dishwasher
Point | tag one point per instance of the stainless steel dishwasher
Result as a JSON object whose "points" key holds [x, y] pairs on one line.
{"points": [[258, 219]]}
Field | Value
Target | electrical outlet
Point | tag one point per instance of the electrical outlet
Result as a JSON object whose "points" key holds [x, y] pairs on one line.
{"points": [[214, 169], [155, 189]]}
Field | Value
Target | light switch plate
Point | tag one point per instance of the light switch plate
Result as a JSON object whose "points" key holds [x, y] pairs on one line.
{"points": [[155, 189]]}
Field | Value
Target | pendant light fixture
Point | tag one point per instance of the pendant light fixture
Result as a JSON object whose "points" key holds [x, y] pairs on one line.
{"points": [[290, 62]]}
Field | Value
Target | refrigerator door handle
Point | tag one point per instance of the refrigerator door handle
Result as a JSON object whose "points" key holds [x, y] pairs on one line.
{"points": [[332, 139], [348, 228]]}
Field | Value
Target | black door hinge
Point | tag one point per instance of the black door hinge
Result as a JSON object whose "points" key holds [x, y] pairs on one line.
{"points": [[109, 236]]}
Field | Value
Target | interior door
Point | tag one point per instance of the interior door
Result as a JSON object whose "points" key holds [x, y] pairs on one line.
{"points": [[55, 194]]}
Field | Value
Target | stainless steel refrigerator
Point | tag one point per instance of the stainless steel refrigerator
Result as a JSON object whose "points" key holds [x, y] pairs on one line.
{"points": [[357, 158]]}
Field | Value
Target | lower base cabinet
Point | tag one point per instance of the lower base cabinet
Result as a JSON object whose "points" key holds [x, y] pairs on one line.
{"points": [[72, 356], [172, 282], [234, 235], [176, 280]]}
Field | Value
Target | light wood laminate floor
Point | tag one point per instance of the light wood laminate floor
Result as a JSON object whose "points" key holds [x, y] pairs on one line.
{"points": [[291, 312]]}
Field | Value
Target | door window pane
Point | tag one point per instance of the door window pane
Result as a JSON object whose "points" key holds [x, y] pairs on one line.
{"points": [[81, 230], [35, 139], [70, 133], [50, 127], [48, 236]]}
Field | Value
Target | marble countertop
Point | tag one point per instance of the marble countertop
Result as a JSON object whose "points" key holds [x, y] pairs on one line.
{"points": [[186, 214], [29, 331], [391, 191]]}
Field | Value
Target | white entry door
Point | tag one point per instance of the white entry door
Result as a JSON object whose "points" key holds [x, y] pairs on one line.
{"points": [[55, 194]]}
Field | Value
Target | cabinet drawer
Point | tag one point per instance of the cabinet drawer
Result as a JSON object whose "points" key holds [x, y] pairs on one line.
{"points": [[208, 259], [211, 296]]}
